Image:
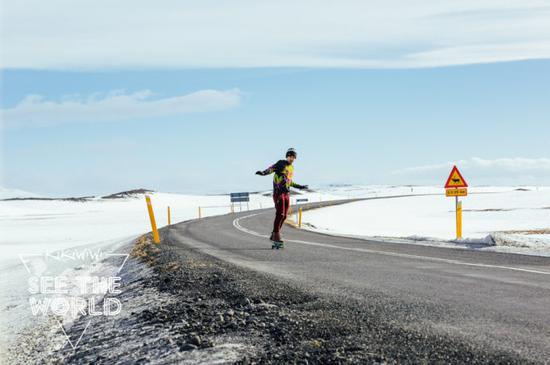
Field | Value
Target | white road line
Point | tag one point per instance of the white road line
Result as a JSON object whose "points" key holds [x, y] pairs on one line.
{"points": [[236, 224], [241, 228]]}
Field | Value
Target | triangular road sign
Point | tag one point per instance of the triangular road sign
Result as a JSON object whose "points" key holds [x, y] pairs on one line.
{"points": [[455, 180]]}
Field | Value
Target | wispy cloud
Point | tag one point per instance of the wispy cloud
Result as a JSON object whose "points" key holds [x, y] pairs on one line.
{"points": [[481, 171], [35, 110], [248, 33], [514, 165]]}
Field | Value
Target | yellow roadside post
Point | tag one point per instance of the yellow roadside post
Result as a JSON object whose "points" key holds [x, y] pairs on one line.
{"points": [[156, 237], [456, 186], [168, 215], [458, 220], [300, 218], [200, 213]]}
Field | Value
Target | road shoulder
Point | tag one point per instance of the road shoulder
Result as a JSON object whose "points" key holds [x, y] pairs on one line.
{"points": [[183, 305]]}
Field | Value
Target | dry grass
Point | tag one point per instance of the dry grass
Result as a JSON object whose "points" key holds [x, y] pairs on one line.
{"points": [[529, 231], [196, 264], [145, 249], [171, 267]]}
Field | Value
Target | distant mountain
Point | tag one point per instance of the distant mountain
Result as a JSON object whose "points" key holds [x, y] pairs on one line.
{"points": [[6, 193], [127, 194], [16, 194]]}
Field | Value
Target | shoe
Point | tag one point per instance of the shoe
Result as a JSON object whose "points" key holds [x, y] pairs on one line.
{"points": [[276, 237], [271, 237]]}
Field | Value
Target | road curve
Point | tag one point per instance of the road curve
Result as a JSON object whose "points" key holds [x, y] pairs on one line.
{"points": [[501, 301]]}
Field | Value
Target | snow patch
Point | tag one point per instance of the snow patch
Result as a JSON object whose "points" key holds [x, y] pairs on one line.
{"points": [[505, 219]]}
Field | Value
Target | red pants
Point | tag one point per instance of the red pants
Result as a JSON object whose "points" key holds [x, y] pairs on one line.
{"points": [[282, 202]]}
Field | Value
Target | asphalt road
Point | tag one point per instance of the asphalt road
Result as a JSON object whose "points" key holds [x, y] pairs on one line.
{"points": [[501, 300]]}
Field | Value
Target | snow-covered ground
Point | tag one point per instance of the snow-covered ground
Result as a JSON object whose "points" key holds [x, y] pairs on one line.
{"points": [[37, 226], [34, 226], [507, 219], [34, 229]]}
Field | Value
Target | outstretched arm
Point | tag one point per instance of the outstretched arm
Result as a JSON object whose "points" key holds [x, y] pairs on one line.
{"points": [[267, 171], [271, 169], [298, 186]]}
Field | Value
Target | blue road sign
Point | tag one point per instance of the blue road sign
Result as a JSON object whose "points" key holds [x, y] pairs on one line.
{"points": [[239, 197]]}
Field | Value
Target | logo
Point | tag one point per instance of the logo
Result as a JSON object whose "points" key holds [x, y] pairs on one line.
{"points": [[79, 291]]}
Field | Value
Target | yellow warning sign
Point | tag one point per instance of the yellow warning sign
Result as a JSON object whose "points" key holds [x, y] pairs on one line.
{"points": [[456, 192], [455, 180]]}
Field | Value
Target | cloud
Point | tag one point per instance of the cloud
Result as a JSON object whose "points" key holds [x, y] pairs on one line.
{"points": [[64, 34], [35, 110], [479, 171], [515, 165]]}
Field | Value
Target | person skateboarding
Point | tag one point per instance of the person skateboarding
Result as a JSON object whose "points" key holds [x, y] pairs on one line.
{"points": [[282, 182]]}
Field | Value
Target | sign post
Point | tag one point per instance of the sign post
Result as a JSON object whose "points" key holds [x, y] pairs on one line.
{"points": [[456, 186], [458, 220], [239, 198]]}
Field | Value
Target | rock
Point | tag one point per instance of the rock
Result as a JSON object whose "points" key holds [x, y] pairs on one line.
{"points": [[188, 347], [266, 306], [195, 340]]}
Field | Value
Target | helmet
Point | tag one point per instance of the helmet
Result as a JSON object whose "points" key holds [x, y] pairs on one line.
{"points": [[291, 152]]}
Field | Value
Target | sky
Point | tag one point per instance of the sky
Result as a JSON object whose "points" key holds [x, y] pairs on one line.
{"points": [[196, 96]]}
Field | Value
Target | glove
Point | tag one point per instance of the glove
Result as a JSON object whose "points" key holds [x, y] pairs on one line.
{"points": [[259, 173], [303, 187]]}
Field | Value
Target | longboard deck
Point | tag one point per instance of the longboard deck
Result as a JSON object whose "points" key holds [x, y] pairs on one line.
{"points": [[277, 245]]}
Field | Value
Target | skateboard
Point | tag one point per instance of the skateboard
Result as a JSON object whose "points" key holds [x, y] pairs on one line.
{"points": [[277, 245]]}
